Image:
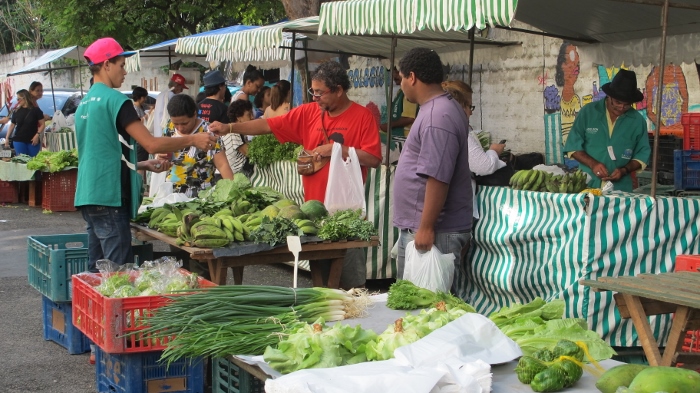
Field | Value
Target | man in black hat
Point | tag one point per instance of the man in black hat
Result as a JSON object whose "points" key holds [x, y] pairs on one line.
{"points": [[609, 138], [213, 108]]}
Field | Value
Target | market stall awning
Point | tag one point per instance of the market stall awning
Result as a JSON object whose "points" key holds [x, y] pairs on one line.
{"points": [[266, 37], [608, 20], [71, 52], [410, 16], [165, 53], [264, 44]]}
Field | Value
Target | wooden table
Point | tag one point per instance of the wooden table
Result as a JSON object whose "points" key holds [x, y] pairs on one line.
{"points": [[315, 253], [654, 294]]}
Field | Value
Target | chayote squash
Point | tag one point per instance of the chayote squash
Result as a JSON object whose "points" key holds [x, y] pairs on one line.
{"points": [[552, 379], [527, 368], [568, 348]]}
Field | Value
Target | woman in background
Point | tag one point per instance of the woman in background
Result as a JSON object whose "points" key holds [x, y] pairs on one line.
{"points": [[261, 102], [27, 126], [253, 81], [481, 162], [279, 99]]}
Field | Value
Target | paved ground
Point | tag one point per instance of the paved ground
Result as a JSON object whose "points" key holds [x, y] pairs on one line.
{"points": [[27, 362]]}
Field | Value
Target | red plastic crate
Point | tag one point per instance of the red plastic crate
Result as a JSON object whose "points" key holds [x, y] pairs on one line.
{"points": [[8, 192], [58, 190], [691, 131], [689, 263], [107, 321]]}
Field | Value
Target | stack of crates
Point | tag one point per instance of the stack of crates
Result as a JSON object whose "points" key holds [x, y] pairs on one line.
{"points": [[687, 160], [127, 359], [689, 263], [227, 377], [52, 260], [665, 163]]}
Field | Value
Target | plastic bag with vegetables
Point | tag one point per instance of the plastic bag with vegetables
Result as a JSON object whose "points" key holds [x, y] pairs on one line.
{"points": [[115, 278], [552, 371]]}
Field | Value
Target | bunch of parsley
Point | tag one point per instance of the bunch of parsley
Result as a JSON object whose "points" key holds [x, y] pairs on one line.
{"points": [[266, 149], [346, 224]]}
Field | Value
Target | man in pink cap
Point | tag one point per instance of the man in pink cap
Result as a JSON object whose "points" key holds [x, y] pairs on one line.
{"points": [[107, 127]]}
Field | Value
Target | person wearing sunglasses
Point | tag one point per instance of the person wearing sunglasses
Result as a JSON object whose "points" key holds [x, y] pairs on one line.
{"points": [[609, 138], [331, 118]]}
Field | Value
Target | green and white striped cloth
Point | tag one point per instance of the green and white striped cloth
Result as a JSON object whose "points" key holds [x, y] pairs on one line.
{"points": [[408, 16], [553, 140], [283, 177], [530, 244]]}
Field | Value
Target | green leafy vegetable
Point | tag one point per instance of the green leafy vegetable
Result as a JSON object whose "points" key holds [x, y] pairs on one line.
{"points": [[275, 231], [47, 161], [536, 308], [573, 329], [317, 346], [266, 149], [346, 224], [404, 295]]}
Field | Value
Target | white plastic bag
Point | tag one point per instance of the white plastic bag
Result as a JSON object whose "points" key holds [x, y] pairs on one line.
{"points": [[430, 270], [345, 189], [58, 121]]}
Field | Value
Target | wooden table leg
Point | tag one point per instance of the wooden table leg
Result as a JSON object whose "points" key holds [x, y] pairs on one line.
{"points": [[316, 273], [675, 338], [641, 323], [237, 275], [217, 271], [33, 198], [336, 271]]}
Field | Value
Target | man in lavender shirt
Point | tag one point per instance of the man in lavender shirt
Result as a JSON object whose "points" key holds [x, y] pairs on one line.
{"points": [[432, 187]]}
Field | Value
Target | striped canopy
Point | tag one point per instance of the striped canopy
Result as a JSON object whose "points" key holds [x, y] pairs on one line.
{"points": [[409, 16], [262, 38], [165, 52]]}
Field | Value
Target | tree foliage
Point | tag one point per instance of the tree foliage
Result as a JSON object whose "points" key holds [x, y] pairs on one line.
{"points": [[136, 24], [20, 26], [296, 9]]}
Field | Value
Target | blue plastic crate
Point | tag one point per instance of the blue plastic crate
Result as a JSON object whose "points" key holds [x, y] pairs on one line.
{"points": [[58, 327], [143, 373], [52, 260], [687, 169], [229, 378]]}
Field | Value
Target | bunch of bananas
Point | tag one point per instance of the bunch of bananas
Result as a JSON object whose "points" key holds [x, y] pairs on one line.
{"points": [[242, 206], [211, 232], [536, 180], [252, 221], [167, 219]]}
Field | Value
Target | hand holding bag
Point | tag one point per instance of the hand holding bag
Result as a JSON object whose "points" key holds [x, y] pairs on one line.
{"points": [[431, 270], [345, 189], [306, 165]]}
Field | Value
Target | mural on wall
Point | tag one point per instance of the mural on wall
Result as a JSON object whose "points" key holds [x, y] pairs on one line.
{"points": [[568, 67], [367, 77], [674, 101]]}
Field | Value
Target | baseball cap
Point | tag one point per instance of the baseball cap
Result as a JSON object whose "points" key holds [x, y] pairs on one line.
{"points": [[104, 49], [179, 79]]}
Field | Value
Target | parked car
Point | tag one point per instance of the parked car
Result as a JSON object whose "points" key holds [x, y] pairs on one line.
{"points": [[66, 99], [150, 100]]}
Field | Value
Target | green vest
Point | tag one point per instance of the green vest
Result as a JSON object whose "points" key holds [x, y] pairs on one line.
{"points": [[100, 151]]}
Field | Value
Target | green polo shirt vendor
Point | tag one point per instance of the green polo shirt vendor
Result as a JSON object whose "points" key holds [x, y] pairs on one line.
{"points": [[609, 138], [108, 190]]}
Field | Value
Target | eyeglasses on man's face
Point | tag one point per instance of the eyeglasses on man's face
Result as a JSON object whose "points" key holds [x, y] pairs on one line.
{"points": [[620, 104], [317, 93], [472, 107]]}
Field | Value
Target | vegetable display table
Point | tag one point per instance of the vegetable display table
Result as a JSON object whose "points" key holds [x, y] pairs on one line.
{"points": [[314, 252], [15, 171], [504, 378], [653, 294], [530, 244]]}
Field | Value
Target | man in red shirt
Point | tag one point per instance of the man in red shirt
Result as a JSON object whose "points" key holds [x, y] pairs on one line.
{"points": [[333, 118], [333, 114]]}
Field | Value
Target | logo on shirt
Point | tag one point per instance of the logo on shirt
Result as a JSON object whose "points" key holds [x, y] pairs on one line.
{"points": [[627, 154], [591, 130]]}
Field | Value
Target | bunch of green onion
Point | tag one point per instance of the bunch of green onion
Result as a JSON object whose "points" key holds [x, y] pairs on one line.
{"points": [[242, 319]]}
